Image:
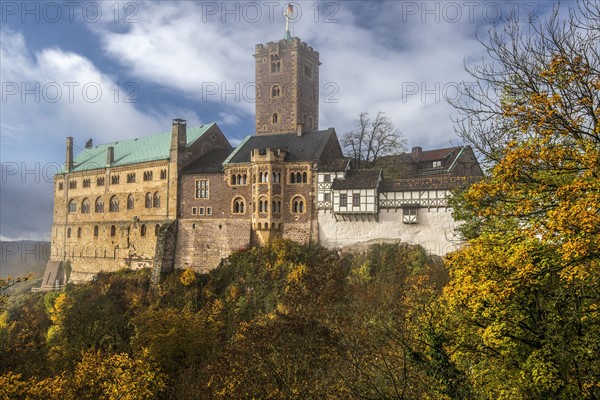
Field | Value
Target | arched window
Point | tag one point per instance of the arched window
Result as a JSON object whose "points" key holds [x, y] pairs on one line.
{"points": [[130, 202], [113, 230], [265, 177], [143, 230], [233, 179], [156, 202], [275, 118], [292, 178], [238, 205], [79, 232], [69, 233], [298, 177], [304, 177], [114, 204], [95, 230], [275, 91], [239, 179], [276, 206], [310, 123], [263, 205], [156, 229], [99, 206], [275, 67], [297, 205], [244, 179], [85, 206], [148, 202], [72, 206]]}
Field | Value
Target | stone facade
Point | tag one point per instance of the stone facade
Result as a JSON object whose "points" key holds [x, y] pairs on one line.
{"points": [[108, 216]]}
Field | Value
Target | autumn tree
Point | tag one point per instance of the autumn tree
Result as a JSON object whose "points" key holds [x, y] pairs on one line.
{"points": [[525, 292], [372, 138]]}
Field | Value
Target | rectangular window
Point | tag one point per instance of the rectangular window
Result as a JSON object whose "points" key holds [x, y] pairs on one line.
{"points": [[437, 164], [201, 210], [327, 197], [410, 215], [208, 210], [194, 210], [202, 189], [356, 199], [343, 200], [327, 178]]}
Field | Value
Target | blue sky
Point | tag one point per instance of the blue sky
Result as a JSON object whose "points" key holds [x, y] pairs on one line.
{"points": [[121, 69]]}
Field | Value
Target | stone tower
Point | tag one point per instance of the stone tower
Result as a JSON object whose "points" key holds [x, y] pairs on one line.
{"points": [[287, 87]]}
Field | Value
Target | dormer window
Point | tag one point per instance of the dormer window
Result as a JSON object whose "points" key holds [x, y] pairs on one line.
{"points": [[437, 164]]}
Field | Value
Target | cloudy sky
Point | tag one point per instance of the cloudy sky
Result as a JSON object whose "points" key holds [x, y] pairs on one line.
{"points": [[120, 69]]}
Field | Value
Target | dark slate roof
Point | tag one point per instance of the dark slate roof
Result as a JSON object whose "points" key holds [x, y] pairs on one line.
{"points": [[307, 147], [336, 165], [428, 183], [210, 162], [358, 179]]}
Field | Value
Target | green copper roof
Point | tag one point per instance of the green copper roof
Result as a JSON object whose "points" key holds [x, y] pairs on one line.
{"points": [[287, 35], [133, 151]]}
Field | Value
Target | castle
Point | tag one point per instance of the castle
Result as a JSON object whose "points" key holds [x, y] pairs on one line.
{"points": [[188, 199]]}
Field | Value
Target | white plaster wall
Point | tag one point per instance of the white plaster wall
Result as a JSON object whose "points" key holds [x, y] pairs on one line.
{"points": [[434, 231]]}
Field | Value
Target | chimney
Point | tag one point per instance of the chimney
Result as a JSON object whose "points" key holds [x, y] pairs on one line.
{"points": [[179, 134], [416, 152], [299, 130], [69, 158], [110, 156]]}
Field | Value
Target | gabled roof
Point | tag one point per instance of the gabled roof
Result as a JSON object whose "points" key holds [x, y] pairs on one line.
{"points": [[133, 151], [335, 165], [307, 147], [358, 179], [437, 154], [210, 162]]}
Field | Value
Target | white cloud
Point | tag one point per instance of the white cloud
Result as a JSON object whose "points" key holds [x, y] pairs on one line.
{"points": [[368, 64]]}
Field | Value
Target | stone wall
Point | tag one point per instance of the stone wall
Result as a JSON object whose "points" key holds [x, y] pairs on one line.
{"points": [[434, 230], [202, 244]]}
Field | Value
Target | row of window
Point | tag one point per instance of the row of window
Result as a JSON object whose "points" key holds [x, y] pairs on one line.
{"points": [[113, 231], [344, 199], [308, 123], [151, 201], [242, 179], [297, 205], [201, 210], [114, 179], [276, 68]]}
